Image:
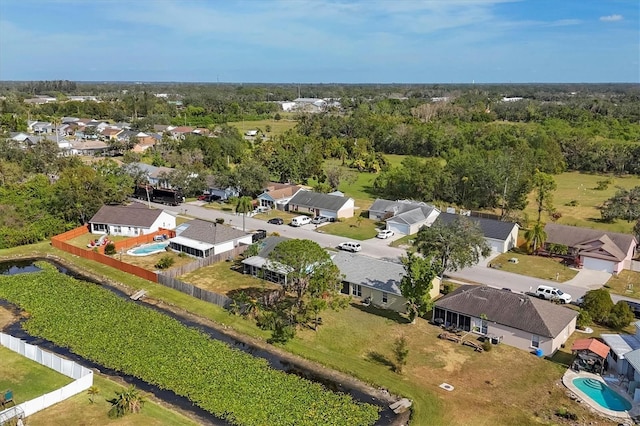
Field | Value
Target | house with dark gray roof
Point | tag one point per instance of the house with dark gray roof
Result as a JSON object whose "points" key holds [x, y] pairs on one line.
{"points": [[374, 280], [201, 238], [403, 216], [130, 221], [327, 205], [500, 236], [516, 319], [594, 249]]}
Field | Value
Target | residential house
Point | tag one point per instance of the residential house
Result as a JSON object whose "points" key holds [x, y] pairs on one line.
{"points": [[310, 104], [88, 147], [260, 265], [130, 221], [500, 236], [278, 195], [327, 205], [40, 127], [145, 141], [594, 249], [111, 133], [516, 319], [624, 358], [201, 238], [213, 188], [156, 176], [375, 281], [403, 216], [180, 132]]}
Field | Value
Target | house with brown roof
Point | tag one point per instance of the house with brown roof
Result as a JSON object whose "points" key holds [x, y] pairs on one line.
{"points": [[180, 132], [515, 319], [278, 195], [130, 221], [111, 133], [200, 238], [594, 249]]}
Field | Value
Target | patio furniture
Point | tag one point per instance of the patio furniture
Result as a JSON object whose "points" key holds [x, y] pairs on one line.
{"points": [[6, 397]]}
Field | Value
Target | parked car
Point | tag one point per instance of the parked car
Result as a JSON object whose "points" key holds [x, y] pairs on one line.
{"points": [[276, 221], [385, 233], [552, 293], [209, 197], [634, 306], [259, 234], [319, 219], [300, 220], [350, 246]]}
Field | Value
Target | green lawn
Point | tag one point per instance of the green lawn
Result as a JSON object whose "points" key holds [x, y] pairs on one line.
{"points": [[627, 283], [581, 188], [359, 342], [352, 229], [277, 127], [534, 266], [78, 410], [27, 379]]}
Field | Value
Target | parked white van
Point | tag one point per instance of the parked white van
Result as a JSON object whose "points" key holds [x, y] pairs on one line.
{"points": [[300, 220], [552, 293]]}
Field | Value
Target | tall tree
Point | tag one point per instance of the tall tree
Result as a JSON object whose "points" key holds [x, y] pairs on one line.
{"points": [[244, 206], [625, 204], [543, 186], [452, 246], [416, 284]]}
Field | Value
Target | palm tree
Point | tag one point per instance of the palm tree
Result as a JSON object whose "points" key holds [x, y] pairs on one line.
{"points": [[127, 401], [535, 236], [93, 391], [244, 206]]}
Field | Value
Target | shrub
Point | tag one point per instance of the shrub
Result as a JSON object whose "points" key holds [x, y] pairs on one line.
{"points": [[620, 316], [401, 353], [165, 262], [603, 184], [487, 346], [572, 203], [583, 320], [220, 221], [447, 287], [110, 249], [562, 412], [598, 303]]}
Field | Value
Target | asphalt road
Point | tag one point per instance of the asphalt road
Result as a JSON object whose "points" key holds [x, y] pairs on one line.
{"points": [[380, 249]]}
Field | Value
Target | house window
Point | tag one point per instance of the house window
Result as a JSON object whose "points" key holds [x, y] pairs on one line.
{"points": [[385, 297], [614, 356], [484, 327], [117, 229], [357, 290], [535, 341]]}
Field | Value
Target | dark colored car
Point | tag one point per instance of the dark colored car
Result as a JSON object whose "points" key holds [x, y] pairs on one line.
{"points": [[209, 198], [276, 221], [259, 234], [634, 306]]}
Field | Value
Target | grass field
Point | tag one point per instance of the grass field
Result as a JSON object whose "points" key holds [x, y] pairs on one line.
{"points": [[534, 266], [277, 127], [27, 379], [626, 283], [352, 229], [503, 386], [581, 188]]}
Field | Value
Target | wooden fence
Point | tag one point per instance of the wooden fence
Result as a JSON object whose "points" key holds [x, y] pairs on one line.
{"points": [[142, 239], [206, 261], [197, 292]]}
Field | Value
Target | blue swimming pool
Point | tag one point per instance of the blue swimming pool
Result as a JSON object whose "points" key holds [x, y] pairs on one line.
{"points": [[602, 394], [148, 249]]}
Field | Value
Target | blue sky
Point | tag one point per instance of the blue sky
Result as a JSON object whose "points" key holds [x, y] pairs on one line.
{"points": [[321, 41]]}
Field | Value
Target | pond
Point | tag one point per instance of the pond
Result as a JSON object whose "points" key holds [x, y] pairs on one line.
{"points": [[387, 416]]}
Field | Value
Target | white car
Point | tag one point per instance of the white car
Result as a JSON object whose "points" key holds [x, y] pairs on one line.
{"points": [[350, 246], [384, 234]]}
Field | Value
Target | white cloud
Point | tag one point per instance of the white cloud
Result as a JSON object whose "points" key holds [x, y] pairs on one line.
{"points": [[611, 18]]}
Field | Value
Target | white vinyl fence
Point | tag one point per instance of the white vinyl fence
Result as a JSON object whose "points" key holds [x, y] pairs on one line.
{"points": [[83, 378]]}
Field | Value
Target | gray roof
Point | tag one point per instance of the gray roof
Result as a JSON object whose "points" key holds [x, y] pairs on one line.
{"points": [[318, 201], [152, 171], [491, 228], [582, 238], [134, 214], [633, 358], [410, 217], [369, 272], [514, 310], [404, 211], [209, 232]]}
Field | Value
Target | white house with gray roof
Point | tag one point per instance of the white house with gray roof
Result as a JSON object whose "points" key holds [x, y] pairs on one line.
{"points": [[403, 216], [375, 280], [516, 319], [500, 236], [200, 238], [332, 206], [130, 221]]}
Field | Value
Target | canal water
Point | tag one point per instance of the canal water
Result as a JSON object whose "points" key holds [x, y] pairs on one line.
{"points": [[387, 416]]}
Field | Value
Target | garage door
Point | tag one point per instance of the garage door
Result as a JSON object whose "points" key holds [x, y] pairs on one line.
{"points": [[597, 264], [398, 228], [496, 246]]}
